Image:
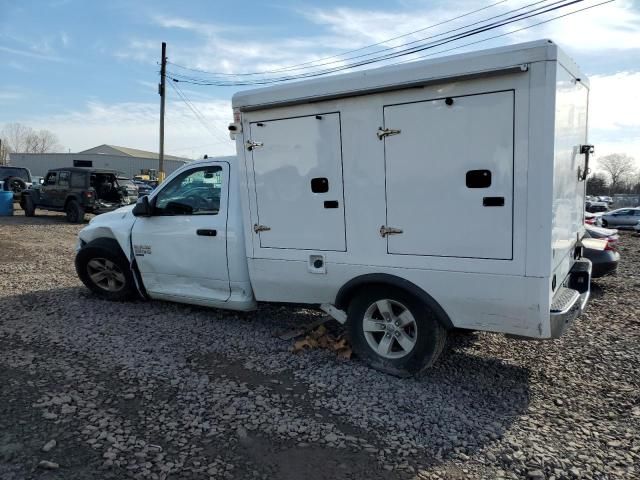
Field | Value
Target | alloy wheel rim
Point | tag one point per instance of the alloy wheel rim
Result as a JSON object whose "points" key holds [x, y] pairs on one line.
{"points": [[106, 274], [390, 329]]}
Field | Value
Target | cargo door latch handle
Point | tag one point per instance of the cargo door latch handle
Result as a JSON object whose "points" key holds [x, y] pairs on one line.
{"points": [[260, 228], [252, 145], [386, 132], [585, 150], [384, 231]]}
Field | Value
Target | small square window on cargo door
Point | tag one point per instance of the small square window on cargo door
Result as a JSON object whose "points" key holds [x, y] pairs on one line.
{"points": [[319, 185], [478, 179]]}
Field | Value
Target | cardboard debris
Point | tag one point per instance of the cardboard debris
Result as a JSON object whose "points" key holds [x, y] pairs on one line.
{"points": [[321, 338]]}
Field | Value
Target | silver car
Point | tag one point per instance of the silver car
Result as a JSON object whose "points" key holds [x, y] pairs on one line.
{"points": [[621, 218]]}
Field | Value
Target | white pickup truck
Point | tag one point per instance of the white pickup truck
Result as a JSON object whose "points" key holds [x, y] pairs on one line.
{"points": [[405, 201]]}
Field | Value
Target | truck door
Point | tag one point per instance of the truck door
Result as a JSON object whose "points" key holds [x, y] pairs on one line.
{"points": [[297, 165], [449, 176], [181, 249], [49, 190]]}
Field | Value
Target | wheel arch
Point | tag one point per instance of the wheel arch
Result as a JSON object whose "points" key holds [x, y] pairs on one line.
{"points": [[107, 239], [69, 199], [350, 289]]}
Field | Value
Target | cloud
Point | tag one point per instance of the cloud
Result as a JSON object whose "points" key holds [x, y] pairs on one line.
{"points": [[614, 101], [9, 96], [136, 125], [31, 54]]}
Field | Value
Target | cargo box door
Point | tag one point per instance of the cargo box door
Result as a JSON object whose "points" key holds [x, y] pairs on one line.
{"points": [[297, 164], [449, 176]]}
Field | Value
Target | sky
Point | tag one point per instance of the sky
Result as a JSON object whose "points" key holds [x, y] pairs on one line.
{"points": [[88, 70]]}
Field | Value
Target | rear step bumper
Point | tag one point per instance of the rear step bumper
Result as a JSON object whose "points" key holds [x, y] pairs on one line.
{"points": [[571, 299]]}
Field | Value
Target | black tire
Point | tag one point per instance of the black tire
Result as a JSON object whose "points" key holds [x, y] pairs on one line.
{"points": [[15, 184], [108, 250], [429, 335], [604, 223], [75, 213], [28, 206]]}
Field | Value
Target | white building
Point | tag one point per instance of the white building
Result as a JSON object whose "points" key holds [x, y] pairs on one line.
{"points": [[129, 161]]}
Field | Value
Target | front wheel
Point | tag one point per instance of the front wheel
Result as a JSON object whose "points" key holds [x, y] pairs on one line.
{"points": [[605, 224], [28, 206], [394, 331], [104, 270]]}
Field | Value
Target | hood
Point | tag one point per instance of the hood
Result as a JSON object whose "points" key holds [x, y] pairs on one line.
{"points": [[119, 213]]}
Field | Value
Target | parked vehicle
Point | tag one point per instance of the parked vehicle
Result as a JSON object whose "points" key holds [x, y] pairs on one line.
{"points": [[594, 207], [621, 218], [590, 218], [324, 205], [143, 188], [15, 179], [604, 260], [606, 199], [37, 180], [77, 191]]}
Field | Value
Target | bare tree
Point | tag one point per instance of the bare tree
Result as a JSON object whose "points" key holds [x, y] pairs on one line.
{"points": [[619, 167], [22, 139], [4, 152]]}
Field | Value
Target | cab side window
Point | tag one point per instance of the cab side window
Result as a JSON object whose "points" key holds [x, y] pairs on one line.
{"points": [[63, 179], [193, 192], [51, 178]]}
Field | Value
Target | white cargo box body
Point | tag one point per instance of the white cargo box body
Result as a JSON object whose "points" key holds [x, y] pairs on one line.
{"points": [[458, 174]]}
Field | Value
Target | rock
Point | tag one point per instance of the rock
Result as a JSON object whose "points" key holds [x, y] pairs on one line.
{"points": [[330, 437], [51, 444], [47, 465], [129, 396], [535, 474], [49, 415]]}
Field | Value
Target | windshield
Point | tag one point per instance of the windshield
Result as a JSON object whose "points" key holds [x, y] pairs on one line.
{"points": [[23, 173]]}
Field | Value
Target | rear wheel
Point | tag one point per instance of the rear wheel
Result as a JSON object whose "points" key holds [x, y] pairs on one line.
{"points": [[394, 331], [28, 206], [75, 213], [605, 224], [104, 270]]}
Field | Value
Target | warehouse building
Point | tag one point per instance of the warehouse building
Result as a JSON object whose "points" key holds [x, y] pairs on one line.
{"points": [[129, 161]]}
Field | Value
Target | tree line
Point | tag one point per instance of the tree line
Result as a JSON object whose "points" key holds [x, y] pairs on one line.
{"points": [[19, 138], [618, 174]]}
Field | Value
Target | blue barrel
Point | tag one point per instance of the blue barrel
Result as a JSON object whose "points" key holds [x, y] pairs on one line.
{"points": [[6, 203]]}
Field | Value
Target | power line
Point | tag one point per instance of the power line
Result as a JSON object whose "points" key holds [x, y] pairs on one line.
{"points": [[199, 116], [312, 62], [503, 34], [303, 75], [522, 16]]}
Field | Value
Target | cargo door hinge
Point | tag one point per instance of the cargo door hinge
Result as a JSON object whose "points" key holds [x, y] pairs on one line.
{"points": [[251, 145], [384, 231], [386, 132], [260, 228]]}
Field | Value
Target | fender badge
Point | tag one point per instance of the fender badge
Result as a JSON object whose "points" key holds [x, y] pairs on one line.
{"points": [[141, 250]]}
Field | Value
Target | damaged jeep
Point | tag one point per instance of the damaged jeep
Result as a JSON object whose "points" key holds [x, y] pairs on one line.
{"points": [[77, 191]]}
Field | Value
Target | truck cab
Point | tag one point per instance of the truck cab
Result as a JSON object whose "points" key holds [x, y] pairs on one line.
{"points": [[185, 240]]}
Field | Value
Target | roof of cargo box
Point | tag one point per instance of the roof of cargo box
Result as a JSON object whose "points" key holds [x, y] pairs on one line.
{"points": [[464, 66]]}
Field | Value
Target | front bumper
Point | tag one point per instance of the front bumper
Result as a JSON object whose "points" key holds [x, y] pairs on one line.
{"points": [[571, 298]]}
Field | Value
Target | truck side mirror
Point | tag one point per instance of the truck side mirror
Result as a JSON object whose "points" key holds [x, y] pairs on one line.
{"points": [[142, 208]]}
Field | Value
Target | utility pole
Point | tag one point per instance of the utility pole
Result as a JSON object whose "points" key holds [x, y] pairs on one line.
{"points": [[162, 91]]}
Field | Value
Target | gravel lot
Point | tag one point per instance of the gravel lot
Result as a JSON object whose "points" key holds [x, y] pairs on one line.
{"points": [[95, 389]]}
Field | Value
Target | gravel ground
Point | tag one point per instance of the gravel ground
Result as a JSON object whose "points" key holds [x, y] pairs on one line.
{"points": [[97, 389]]}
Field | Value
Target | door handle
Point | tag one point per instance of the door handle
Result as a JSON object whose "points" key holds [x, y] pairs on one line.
{"points": [[206, 232], [493, 201]]}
